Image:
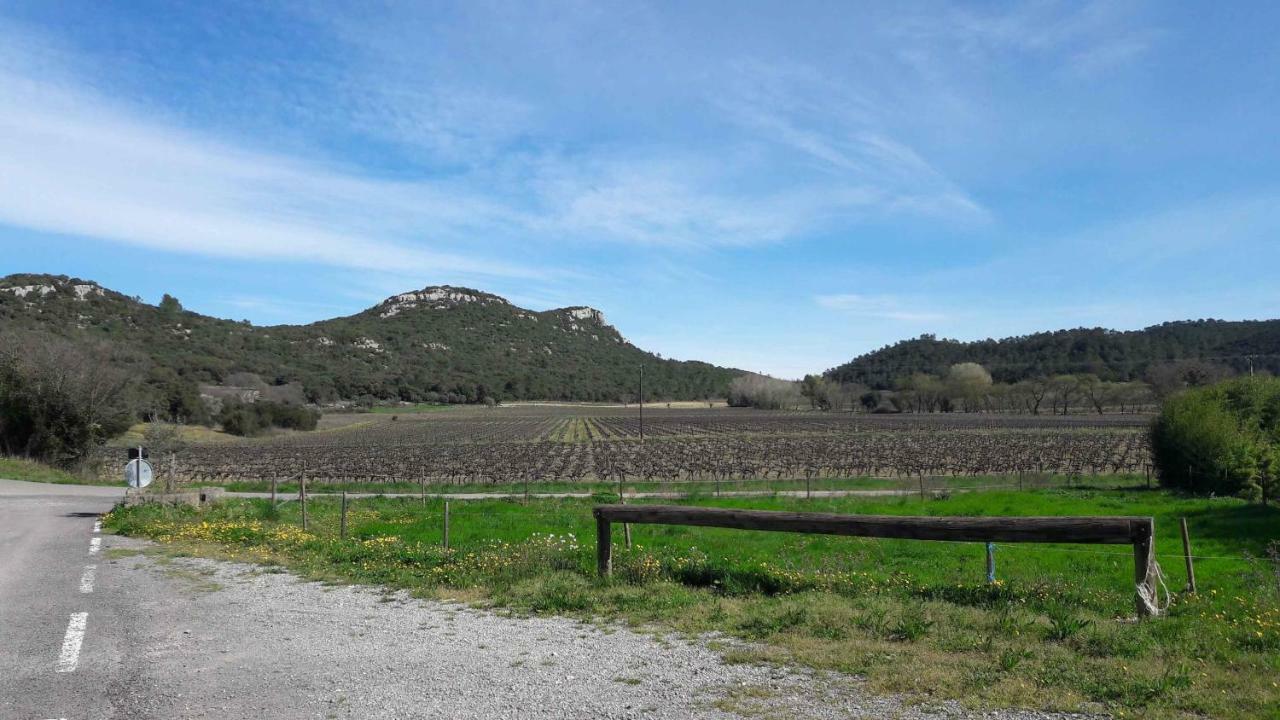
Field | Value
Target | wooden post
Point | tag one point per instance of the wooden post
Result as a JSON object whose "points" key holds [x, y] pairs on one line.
{"points": [[422, 487], [1186, 553], [626, 529], [1143, 552], [808, 494], [604, 547], [273, 491], [342, 533], [446, 524], [991, 562], [302, 498]]}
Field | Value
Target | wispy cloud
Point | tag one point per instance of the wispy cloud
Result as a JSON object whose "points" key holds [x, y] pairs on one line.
{"points": [[843, 132], [884, 307], [76, 163], [1080, 38]]}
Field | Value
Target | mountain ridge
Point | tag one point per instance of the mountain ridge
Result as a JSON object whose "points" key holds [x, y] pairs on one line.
{"points": [[440, 340]]}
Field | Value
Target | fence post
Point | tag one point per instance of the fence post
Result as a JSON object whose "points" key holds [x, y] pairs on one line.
{"points": [[1186, 552], [1143, 556], [604, 547], [273, 491], [626, 527], [446, 524], [342, 532], [991, 562], [302, 499]]}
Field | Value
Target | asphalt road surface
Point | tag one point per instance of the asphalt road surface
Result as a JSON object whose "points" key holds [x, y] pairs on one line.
{"points": [[98, 627]]}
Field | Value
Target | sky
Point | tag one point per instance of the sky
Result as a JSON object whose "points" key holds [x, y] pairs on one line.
{"points": [[777, 187]]}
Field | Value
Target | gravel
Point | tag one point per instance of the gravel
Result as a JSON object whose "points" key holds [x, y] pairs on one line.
{"points": [[232, 640]]}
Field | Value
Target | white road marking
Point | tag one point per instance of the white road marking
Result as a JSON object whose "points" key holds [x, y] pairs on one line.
{"points": [[97, 526], [70, 656], [94, 545], [86, 579]]}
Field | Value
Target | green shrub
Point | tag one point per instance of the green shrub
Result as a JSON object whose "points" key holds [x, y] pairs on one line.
{"points": [[1222, 439], [253, 419]]}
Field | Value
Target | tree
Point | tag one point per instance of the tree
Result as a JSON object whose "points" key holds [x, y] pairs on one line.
{"points": [[969, 383], [1063, 389], [764, 392], [1033, 391], [922, 392], [164, 440], [809, 389], [1222, 439], [1169, 378], [169, 305], [59, 399], [821, 392], [1097, 392]]}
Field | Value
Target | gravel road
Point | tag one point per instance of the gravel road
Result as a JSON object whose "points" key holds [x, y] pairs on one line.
{"points": [[264, 644], [194, 638]]}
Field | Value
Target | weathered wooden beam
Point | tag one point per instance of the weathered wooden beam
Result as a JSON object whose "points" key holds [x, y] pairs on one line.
{"points": [[1092, 530], [604, 547]]}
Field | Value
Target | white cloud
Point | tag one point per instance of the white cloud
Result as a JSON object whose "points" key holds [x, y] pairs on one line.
{"points": [[76, 163]]}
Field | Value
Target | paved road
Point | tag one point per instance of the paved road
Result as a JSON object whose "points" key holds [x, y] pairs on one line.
{"points": [[46, 533]]}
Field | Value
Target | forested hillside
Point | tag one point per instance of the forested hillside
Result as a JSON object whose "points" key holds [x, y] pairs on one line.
{"points": [[439, 343], [1108, 354]]}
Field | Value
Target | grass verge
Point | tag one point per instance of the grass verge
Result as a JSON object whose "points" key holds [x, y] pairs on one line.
{"points": [[12, 468], [912, 617]]}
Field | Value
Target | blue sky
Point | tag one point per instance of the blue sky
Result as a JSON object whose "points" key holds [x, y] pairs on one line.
{"points": [[773, 186]]}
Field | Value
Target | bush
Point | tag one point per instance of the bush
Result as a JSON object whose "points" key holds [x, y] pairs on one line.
{"points": [[1222, 439], [59, 399], [253, 419]]}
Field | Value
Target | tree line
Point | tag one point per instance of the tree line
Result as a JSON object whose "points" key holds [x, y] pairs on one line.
{"points": [[1234, 346], [970, 387]]}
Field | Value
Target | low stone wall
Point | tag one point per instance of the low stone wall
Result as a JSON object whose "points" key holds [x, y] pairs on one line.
{"points": [[194, 497]]}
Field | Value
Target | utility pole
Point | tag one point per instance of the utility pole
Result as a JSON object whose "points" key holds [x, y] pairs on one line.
{"points": [[643, 459]]}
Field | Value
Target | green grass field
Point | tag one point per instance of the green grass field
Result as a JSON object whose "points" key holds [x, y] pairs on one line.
{"points": [[12, 468], [1056, 630]]}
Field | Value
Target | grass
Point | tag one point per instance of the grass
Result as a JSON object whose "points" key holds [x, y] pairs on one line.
{"points": [[912, 617], [12, 468], [136, 435]]}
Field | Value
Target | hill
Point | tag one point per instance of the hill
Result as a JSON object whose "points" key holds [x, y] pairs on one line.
{"points": [[436, 343], [1109, 354]]}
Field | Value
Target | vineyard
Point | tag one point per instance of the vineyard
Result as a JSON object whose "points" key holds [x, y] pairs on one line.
{"points": [[538, 445]]}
